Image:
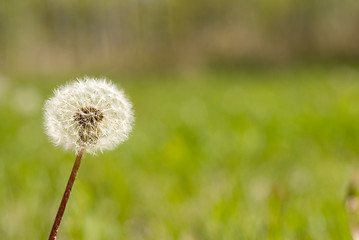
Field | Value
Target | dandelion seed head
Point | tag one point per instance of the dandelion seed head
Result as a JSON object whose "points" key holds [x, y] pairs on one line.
{"points": [[90, 113]]}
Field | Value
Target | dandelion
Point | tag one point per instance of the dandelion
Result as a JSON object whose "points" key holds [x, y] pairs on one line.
{"points": [[88, 115]]}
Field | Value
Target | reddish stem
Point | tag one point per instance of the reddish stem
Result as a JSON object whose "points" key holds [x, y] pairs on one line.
{"points": [[65, 198]]}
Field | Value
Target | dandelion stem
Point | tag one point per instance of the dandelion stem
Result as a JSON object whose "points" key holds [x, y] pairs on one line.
{"points": [[66, 195]]}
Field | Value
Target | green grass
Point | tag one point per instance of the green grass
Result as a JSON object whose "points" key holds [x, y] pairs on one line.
{"points": [[248, 155]]}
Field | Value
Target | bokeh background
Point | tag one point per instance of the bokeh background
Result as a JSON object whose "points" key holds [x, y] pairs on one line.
{"points": [[246, 118]]}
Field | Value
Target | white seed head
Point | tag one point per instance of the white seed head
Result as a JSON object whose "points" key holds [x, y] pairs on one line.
{"points": [[88, 113]]}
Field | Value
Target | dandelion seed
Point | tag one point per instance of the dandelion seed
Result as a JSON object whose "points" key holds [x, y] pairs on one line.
{"points": [[88, 115]]}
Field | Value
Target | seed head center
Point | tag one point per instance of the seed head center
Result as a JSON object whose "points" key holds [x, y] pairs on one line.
{"points": [[88, 117]]}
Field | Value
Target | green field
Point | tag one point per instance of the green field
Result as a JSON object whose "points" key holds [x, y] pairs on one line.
{"points": [[218, 155]]}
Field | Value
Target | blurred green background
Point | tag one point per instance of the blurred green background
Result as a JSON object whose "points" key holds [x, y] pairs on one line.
{"points": [[246, 118]]}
